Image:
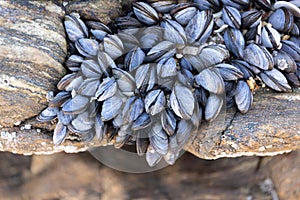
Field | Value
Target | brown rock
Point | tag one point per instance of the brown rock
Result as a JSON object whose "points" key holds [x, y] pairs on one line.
{"points": [[98, 10], [284, 171], [32, 48], [270, 127]]}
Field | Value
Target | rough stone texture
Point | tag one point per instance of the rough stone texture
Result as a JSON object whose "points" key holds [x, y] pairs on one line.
{"points": [[32, 50], [81, 177], [98, 10], [270, 127]]}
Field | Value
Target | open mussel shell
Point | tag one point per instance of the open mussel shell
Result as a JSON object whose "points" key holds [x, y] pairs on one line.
{"points": [[293, 6], [168, 121], [145, 77], [106, 63]]}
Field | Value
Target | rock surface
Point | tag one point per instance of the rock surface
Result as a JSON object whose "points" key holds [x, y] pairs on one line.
{"points": [[270, 127], [81, 177], [32, 50], [104, 11]]}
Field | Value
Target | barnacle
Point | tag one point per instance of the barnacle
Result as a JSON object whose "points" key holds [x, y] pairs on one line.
{"points": [[166, 66]]}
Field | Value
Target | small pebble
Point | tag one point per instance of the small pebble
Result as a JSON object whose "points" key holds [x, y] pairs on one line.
{"points": [[17, 123], [27, 126]]}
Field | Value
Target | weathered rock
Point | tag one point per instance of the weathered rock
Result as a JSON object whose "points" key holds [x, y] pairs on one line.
{"points": [[32, 50], [270, 127], [98, 10]]}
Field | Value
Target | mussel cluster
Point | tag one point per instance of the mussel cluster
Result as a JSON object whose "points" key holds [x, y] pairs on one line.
{"points": [[149, 78]]}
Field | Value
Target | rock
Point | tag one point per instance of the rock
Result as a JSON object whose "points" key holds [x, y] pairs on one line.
{"points": [[32, 50], [271, 127], [98, 10], [284, 171]]}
